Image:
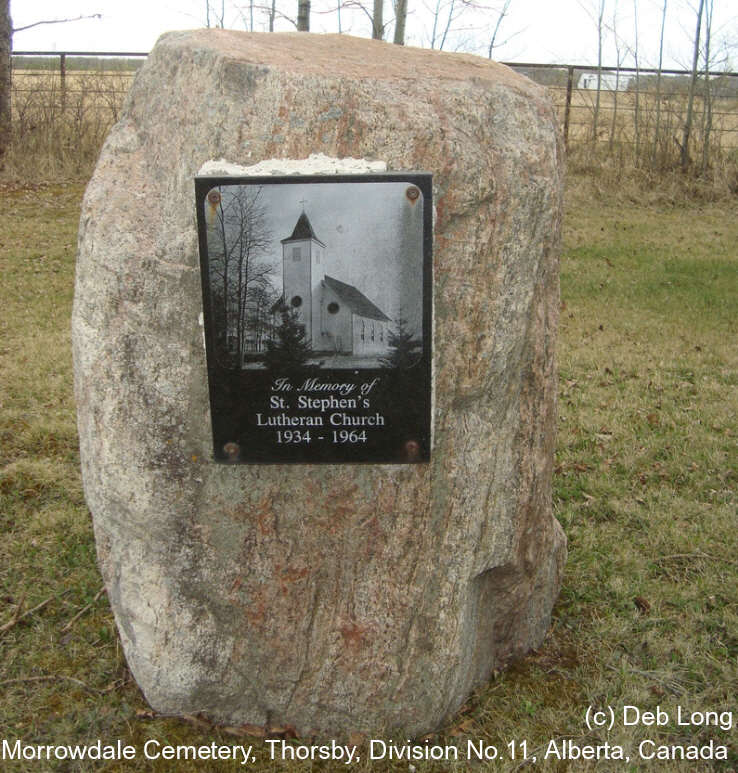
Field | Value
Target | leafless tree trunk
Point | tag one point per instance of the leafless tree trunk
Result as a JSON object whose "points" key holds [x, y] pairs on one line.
{"points": [[449, 21], [692, 84], [707, 115], [658, 81], [619, 63], [303, 15], [378, 20], [500, 16], [400, 19], [273, 13], [219, 20], [6, 46], [237, 237], [600, 16], [248, 20], [637, 106], [436, 17], [438, 39]]}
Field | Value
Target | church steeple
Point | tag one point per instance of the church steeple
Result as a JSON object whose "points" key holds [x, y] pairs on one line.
{"points": [[302, 273], [302, 230]]}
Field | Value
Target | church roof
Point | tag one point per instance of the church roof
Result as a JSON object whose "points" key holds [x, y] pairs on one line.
{"points": [[355, 300], [302, 230]]}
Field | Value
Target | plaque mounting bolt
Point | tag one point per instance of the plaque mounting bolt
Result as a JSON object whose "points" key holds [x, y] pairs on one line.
{"points": [[412, 450], [232, 450], [413, 194]]}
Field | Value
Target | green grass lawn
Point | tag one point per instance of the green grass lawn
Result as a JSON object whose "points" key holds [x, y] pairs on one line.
{"points": [[645, 488]]}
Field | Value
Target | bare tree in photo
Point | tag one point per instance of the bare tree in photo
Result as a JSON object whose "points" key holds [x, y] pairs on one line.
{"points": [[261, 298], [237, 236]]}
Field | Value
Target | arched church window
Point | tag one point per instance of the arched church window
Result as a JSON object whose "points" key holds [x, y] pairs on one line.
{"points": [[296, 301], [295, 253], [363, 329], [372, 331], [333, 307]]}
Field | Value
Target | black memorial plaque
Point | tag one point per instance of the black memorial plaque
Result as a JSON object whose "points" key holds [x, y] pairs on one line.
{"points": [[317, 304]]}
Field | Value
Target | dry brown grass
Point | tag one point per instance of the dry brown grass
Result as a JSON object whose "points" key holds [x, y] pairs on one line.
{"points": [[59, 125]]}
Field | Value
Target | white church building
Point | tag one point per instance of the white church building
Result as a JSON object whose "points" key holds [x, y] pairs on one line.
{"points": [[338, 318]]}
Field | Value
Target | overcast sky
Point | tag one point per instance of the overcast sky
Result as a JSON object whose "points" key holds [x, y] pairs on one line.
{"points": [[535, 30]]}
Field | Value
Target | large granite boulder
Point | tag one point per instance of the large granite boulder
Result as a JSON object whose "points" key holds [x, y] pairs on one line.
{"points": [[334, 598]]}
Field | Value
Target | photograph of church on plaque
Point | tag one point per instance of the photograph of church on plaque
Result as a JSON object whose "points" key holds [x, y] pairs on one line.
{"points": [[317, 305]]}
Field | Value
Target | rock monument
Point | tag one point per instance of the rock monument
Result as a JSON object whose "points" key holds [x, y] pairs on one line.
{"points": [[336, 598]]}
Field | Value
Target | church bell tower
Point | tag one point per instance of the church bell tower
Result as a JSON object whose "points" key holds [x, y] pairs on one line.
{"points": [[302, 272]]}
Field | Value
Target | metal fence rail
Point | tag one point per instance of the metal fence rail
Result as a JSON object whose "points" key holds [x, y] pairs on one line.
{"points": [[600, 105], [642, 95]]}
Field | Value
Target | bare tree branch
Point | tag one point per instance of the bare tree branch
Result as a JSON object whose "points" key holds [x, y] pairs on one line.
{"points": [[55, 21], [500, 16], [272, 9], [360, 6]]}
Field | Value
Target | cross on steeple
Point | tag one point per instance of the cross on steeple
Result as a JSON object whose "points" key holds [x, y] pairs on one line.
{"points": [[303, 202]]}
